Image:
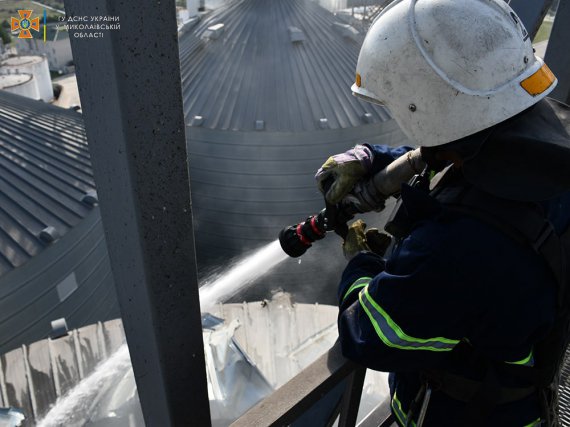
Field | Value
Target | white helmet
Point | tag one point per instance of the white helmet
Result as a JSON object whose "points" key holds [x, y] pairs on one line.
{"points": [[449, 68]]}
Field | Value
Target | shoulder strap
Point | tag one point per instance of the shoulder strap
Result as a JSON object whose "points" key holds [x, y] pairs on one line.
{"points": [[524, 222]]}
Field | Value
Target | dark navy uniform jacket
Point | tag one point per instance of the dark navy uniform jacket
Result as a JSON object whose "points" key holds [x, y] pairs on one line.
{"points": [[447, 282]]}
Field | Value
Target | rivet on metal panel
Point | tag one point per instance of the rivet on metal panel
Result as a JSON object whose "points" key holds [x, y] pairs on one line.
{"points": [[412, 107], [197, 121], [213, 32], [259, 125], [367, 118], [58, 328], [323, 123], [296, 35], [49, 235], [90, 198]]}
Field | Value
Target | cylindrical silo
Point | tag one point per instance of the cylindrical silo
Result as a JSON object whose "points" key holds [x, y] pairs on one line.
{"points": [[192, 7], [20, 84], [34, 65], [266, 91], [53, 255]]}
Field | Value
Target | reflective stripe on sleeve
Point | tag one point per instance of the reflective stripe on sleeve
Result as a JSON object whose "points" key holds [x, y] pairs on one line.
{"points": [[360, 283], [392, 335], [400, 414], [527, 361]]}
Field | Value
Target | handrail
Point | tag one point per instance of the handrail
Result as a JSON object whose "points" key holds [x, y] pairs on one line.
{"points": [[298, 395]]}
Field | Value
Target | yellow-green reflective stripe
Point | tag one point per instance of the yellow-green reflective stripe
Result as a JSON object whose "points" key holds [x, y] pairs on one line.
{"points": [[360, 283], [397, 408], [534, 423], [527, 361], [392, 335]]}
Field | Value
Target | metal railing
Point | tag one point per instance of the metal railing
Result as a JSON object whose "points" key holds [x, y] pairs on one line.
{"points": [[330, 376]]}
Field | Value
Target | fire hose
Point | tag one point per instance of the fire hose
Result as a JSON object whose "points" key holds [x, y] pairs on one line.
{"points": [[296, 239]]}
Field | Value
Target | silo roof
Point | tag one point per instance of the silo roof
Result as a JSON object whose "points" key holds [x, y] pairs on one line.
{"points": [[45, 173], [16, 61], [11, 80], [272, 65]]}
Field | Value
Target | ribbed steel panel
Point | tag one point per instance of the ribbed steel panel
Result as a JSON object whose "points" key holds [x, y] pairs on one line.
{"points": [[31, 297], [45, 171], [253, 71], [246, 186]]}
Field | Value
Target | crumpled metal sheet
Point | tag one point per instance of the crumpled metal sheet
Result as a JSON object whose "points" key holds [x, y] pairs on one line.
{"points": [[11, 417], [108, 396], [234, 382]]}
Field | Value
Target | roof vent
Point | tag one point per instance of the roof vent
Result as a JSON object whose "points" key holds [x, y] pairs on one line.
{"points": [[49, 235], [90, 198], [323, 123], [296, 35], [214, 32], [197, 121], [346, 30], [259, 125], [58, 328], [367, 118]]}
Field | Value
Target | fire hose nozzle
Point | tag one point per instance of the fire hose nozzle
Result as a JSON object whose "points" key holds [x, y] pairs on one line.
{"points": [[296, 239]]}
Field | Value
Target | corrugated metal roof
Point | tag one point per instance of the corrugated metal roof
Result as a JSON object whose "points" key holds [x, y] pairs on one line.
{"points": [[45, 170], [252, 74]]}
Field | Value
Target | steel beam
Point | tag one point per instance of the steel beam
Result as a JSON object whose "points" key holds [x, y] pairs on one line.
{"points": [[531, 13], [130, 90], [557, 55], [351, 399]]}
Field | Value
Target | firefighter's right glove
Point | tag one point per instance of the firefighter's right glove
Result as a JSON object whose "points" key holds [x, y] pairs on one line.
{"points": [[377, 241], [345, 170], [365, 197]]}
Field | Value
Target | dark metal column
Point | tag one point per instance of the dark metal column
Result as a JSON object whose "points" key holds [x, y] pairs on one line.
{"points": [[557, 56], [129, 83], [531, 13]]}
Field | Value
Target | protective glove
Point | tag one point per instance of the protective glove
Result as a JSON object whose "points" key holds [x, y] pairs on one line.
{"points": [[357, 240], [377, 241], [365, 197], [345, 169]]}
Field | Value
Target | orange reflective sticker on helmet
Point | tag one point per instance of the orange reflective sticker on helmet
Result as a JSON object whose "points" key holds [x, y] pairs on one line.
{"points": [[539, 81], [358, 80]]}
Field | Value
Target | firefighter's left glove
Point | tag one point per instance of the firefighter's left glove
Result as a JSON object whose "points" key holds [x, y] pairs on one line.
{"points": [[345, 170], [357, 240]]}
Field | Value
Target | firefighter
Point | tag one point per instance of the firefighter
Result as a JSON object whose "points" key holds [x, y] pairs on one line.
{"points": [[468, 312]]}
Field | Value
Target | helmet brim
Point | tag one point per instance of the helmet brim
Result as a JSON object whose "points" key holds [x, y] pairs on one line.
{"points": [[365, 95]]}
